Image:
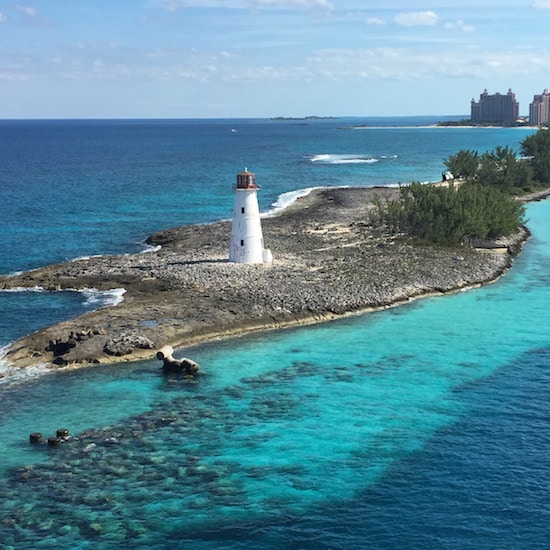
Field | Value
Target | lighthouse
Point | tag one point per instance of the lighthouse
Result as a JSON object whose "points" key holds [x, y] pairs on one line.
{"points": [[247, 242]]}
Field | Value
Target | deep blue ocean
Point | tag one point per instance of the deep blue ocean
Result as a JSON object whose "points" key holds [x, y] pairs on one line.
{"points": [[423, 426]]}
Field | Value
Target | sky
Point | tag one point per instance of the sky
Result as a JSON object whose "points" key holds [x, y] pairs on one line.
{"points": [[267, 58]]}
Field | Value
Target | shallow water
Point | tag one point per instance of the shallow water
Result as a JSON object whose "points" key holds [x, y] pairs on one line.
{"points": [[404, 414], [423, 426]]}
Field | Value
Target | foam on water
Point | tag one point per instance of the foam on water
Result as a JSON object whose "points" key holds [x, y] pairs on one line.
{"points": [[150, 248], [344, 159], [286, 199], [102, 298], [23, 289], [11, 375], [81, 258], [94, 296]]}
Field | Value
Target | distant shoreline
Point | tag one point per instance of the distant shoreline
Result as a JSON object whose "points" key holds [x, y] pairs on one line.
{"points": [[185, 292], [443, 126], [313, 117]]}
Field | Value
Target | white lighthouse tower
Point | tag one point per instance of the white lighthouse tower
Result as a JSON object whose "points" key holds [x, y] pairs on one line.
{"points": [[247, 242]]}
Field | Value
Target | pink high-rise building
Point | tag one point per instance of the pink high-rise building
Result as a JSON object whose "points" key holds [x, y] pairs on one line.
{"points": [[497, 108], [539, 109]]}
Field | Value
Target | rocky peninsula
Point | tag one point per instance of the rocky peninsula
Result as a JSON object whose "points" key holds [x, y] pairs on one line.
{"points": [[329, 261]]}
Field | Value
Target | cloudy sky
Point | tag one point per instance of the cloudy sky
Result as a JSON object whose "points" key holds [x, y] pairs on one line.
{"points": [[263, 58]]}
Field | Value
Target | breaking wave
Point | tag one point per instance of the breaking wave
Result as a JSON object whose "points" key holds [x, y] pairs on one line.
{"points": [[82, 258], [10, 373], [102, 298], [286, 199], [24, 289], [93, 297], [343, 159], [150, 248]]}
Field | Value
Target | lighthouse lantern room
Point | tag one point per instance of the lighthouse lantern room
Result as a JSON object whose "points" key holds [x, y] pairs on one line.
{"points": [[247, 242]]}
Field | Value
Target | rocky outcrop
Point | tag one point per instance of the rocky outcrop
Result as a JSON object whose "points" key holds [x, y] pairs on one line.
{"points": [[328, 261], [126, 342]]}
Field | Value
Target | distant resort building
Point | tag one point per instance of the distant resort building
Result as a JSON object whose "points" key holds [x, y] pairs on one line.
{"points": [[495, 108], [539, 109]]}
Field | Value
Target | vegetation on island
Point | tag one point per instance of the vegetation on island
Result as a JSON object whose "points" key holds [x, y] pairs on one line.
{"points": [[311, 117], [469, 122], [480, 200], [450, 215], [461, 122]]}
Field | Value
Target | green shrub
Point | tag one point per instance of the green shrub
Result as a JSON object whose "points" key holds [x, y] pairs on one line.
{"points": [[451, 215]]}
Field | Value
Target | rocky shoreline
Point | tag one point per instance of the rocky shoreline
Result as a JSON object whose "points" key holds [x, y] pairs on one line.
{"points": [[329, 261]]}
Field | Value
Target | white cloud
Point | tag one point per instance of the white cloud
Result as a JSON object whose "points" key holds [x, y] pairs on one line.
{"points": [[302, 5], [3, 18], [27, 11], [375, 21], [417, 18], [459, 25], [174, 6], [170, 6], [108, 61], [322, 5], [542, 4], [408, 65], [28, 15]]}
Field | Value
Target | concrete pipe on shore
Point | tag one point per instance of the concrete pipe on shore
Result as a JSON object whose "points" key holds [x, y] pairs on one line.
{"points": [[184, 366]]}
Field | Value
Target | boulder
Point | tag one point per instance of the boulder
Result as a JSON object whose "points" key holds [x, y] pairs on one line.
{"points": [[125, 343]]}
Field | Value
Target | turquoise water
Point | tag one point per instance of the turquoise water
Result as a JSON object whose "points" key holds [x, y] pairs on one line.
{"points": [[284, 427], [422, 426]]}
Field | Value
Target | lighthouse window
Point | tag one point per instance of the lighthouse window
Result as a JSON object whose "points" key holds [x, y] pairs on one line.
{"points": [[242, 210], [242, 242]]}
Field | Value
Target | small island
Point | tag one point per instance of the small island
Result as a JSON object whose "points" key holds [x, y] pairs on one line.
{"points": [[330, 261], [310, 117], [467, 122]]}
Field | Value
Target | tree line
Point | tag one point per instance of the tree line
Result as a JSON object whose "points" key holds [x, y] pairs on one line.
{"points": [[479, 203]]}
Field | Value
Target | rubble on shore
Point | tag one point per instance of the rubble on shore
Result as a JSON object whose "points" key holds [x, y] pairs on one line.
{"points": [[328, 261]]}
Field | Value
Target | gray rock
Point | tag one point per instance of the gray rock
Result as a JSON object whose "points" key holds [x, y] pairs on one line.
{"points": [[127, 343]]}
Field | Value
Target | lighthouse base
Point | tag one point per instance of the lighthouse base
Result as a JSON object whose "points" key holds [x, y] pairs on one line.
{"points": [[263, 256]]}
